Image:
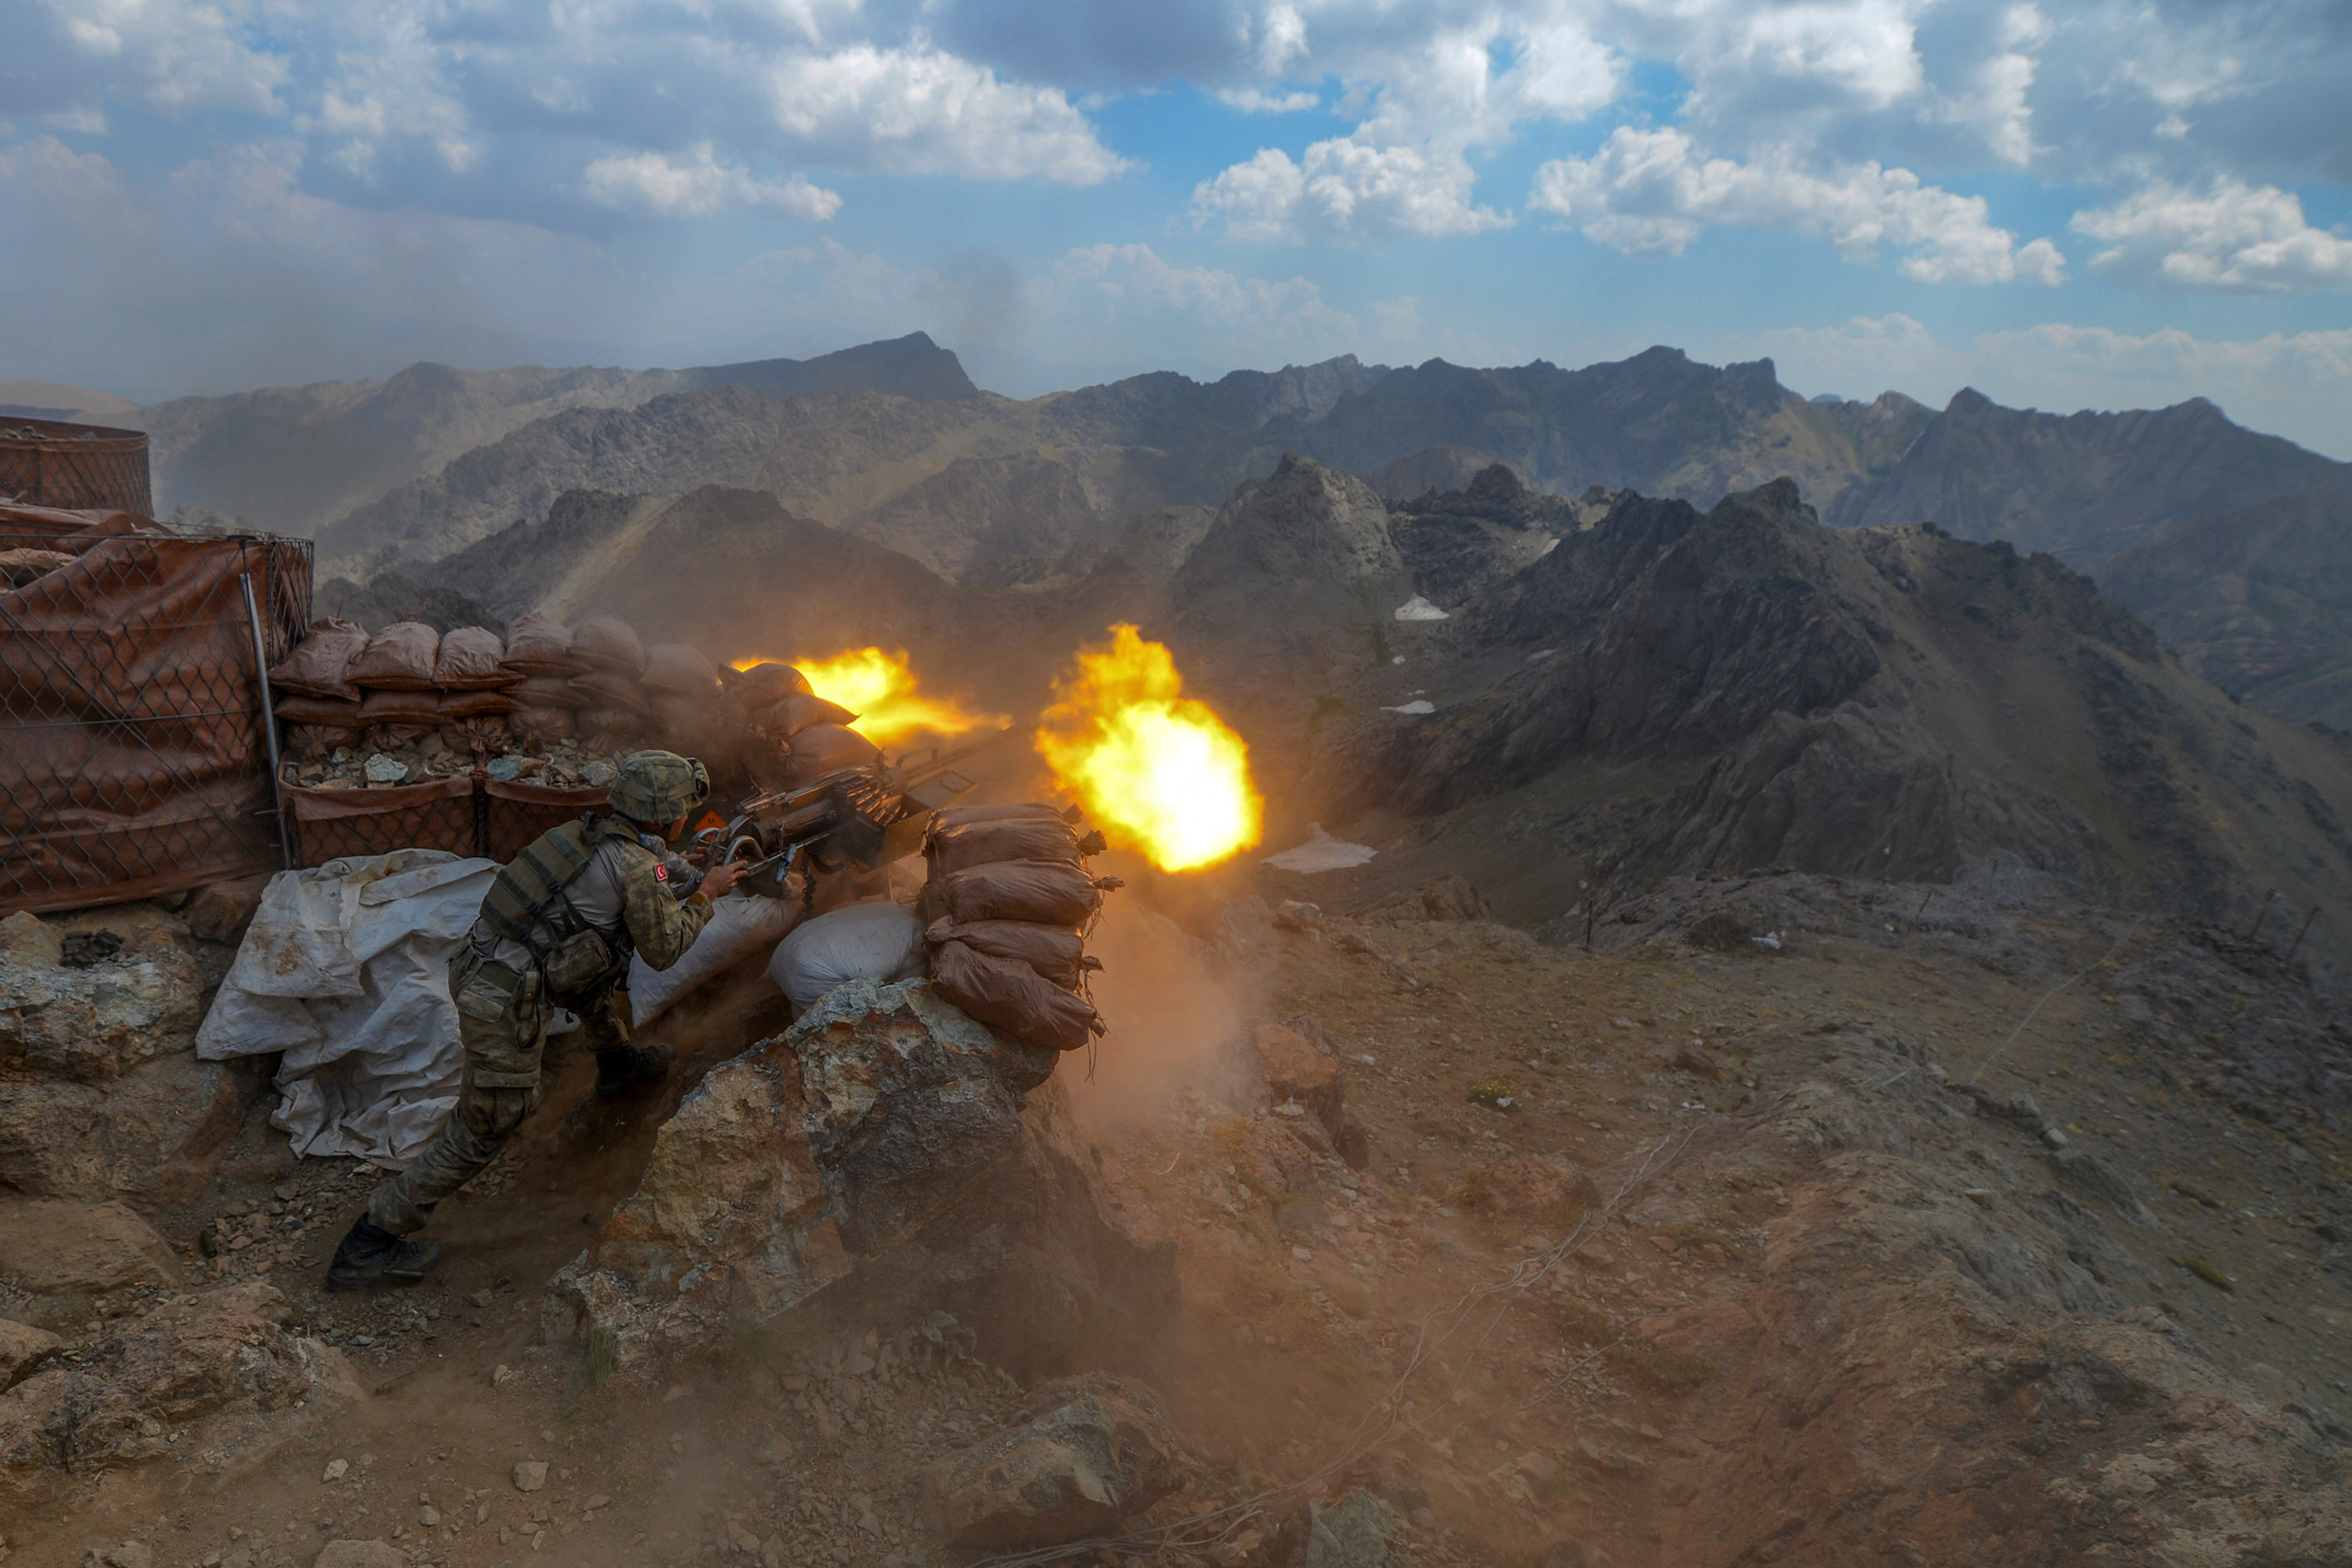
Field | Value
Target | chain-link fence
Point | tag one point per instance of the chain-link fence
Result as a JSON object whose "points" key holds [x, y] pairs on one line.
{"points": [[133, 752]]}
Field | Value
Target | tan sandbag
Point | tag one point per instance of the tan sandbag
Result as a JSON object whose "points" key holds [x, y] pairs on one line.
{"points": [[1012, 997], [958, 846], [764, 683], [610, 729], [391, 737], [472, 659], [548, 691], [673, 667], [317, 711], [474, 704], [402, 708], [822, 749], [398, 659], [536, 729], [696, 726], [1013, 890], [608, 642], [610, 689], [1057, 954], [537, 644], [485, 735], [788, 716], [320, 664]]}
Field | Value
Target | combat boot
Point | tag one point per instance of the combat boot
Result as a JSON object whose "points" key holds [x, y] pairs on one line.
{"points": [[371, 1255], [619, 1072]]}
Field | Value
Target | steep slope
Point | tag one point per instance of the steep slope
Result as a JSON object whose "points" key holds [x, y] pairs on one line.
{"points": [[984, 510], [828, 456], [1674, 690], [2083, 486], [2257, 601], [298, 459]]}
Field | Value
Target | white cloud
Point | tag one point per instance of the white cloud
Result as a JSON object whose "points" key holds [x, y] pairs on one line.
{"points": [[654, 184], [2297, 385], [176, 56], [919, 112], [2233, 236], [1255, 101], [1345, 187], [1650, 193]]}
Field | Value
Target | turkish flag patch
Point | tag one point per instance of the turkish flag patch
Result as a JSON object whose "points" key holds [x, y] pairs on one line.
{"points": [[661, 873]]}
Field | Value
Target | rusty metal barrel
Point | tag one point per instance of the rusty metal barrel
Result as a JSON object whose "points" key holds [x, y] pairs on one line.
{"points": [[48, 462]]}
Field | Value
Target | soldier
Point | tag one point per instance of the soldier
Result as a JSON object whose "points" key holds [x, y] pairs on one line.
{"points": [[556, 931]]}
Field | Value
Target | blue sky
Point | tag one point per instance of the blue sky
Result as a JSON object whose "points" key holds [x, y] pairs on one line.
{"points": [[2100, 206]]}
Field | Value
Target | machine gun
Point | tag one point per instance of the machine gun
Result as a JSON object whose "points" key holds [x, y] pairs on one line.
{"points": [[871, 815]]}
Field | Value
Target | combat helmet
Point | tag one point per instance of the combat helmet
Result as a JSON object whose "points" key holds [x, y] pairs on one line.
{"points": [[658, 787]]}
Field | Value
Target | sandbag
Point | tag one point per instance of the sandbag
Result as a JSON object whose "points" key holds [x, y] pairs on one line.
{"points": [[742, 926], [398, 659], [1056, 952], [537, 644], [610, 689], [696, 726], [402, 708], [790, 715], [822, 749], [1012, 997], [677, 667], [956, 847], [307, 741], [486, 734], [471, 659], [608, 642], [392, 737], [764, 683], [863, 941], [1013, 890], [536, 729], [317, 711], [548, 691], [474, 704], [320, 664], [609, 729]]}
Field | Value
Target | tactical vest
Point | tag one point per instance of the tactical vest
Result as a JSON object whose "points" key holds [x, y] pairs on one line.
{"points": [[527, 904]]}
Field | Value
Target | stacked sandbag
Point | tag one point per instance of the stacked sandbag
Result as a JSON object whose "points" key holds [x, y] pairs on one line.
{"points": [[538, 656], [613, 712], [691, 713], [1005, 913], [341, 686], [313, 692]]}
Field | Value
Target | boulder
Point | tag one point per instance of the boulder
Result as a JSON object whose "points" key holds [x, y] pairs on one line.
{"points": [[120, 1402], [1297, 1068], [24, 935], [22, 1347], [1357, 1532], [219, 911], [886, 1156], [1450, 897], [152, 1135], [1084, 1454], [91, 1024], [49, 1247]]}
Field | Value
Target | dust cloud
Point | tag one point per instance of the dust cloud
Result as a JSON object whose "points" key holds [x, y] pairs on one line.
{"points": [[1176, 1010]]}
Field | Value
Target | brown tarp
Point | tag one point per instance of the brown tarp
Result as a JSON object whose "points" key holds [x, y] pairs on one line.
{"points": [[516, 813], [345, 823], [132, 755]]}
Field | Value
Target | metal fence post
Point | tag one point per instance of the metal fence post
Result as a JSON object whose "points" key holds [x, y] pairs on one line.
{"points": [[268, 720]]}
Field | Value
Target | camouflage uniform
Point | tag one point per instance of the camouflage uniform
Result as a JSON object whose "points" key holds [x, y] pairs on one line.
{"points": [[626, 892]]}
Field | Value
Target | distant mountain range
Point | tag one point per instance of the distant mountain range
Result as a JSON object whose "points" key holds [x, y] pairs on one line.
{"points": [[892, 442]]}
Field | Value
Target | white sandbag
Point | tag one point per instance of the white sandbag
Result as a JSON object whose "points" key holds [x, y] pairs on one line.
{"points": [[741, 925], [879, 940], [345, 970]]}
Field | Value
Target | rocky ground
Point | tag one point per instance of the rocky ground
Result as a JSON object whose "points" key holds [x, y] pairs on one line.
{"points": [[1952, 1229]]}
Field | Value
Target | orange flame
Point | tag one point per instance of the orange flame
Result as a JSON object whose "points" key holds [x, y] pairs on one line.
{"points": [[879, 687], [1159, 771]]}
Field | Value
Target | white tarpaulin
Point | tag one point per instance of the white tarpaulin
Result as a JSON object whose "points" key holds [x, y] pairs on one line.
{"points": [[1321, 852], [345, 969]]}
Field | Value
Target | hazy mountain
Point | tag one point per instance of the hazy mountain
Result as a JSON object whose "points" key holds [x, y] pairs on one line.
{"points": [[2258, 601], [2084, 486], [1677, 690], [297, 459]]}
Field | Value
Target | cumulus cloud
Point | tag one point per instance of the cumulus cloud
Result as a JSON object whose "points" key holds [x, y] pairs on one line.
{"points": [[2298, 384], [653, 184], [1650, 193], [173, 55], [1258, 100], [2233, 236], [1344, 187], [921, 111]]}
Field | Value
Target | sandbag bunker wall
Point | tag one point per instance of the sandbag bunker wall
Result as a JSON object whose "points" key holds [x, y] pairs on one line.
{"points": [[1005, 907], [133, 760], [468, 742]]}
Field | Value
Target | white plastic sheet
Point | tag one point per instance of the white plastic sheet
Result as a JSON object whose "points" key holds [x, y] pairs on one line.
{"points": [[1321, 852], [741, 925], [345, 970]]}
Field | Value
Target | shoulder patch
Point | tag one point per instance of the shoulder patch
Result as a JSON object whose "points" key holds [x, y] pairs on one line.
{"points": [[661, 872]]}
